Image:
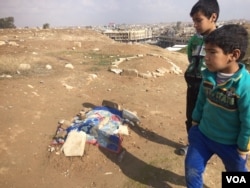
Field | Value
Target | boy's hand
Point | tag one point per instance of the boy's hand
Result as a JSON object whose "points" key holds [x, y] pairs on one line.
{"points": [[194, 123], [243, 156]]}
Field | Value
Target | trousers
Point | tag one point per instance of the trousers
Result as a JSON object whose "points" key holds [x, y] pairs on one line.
{"points": [[201, 149]]}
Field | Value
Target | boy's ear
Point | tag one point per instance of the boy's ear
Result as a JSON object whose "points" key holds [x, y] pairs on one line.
{"points": [[214, 17], [235, 54]]}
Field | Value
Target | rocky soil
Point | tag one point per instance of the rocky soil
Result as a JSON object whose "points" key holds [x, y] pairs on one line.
{"points": [[50, 75]]}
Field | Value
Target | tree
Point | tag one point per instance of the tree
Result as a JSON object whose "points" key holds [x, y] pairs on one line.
{"points": [[7, 22], [46, 26]]}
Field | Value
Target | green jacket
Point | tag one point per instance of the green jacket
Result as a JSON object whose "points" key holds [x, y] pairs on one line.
{"points": [[223, 110], [196, 53]]}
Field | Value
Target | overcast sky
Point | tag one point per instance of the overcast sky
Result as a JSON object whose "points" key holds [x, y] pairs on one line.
{"points": [[33, 13]]}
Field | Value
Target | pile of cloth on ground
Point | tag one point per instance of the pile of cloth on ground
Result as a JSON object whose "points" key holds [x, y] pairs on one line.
{"points": [[101, 125]]}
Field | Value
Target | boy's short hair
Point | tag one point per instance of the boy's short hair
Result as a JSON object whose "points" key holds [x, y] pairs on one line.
{"points": [[207, 7], [228, 38]]}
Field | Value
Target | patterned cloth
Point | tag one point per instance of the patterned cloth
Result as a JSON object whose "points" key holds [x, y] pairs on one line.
{"points": [[101, 126]]}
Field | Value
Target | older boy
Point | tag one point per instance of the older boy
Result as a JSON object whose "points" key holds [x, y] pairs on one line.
{"points": [[221, 123], [204, 14]]}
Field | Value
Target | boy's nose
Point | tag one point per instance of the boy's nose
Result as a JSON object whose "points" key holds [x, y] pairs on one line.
{"points": [[206, 58]]}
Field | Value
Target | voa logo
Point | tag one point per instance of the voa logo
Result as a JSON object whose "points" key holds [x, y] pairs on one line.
{"points": [[236, 179]]}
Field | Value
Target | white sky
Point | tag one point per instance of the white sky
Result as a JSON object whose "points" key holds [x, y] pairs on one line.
{"points": [[33, 13]]}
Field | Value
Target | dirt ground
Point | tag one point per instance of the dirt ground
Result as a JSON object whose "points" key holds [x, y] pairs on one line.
{"points": [[35, 98]]}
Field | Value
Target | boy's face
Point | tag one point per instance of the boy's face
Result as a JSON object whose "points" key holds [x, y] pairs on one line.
{"points": [[202, 24], [217, 61]]}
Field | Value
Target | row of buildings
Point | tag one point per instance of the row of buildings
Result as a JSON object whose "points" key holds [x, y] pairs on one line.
{"points": [[130, 35], [164, 35]]}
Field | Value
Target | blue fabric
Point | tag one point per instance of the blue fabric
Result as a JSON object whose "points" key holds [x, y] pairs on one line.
{"points": [[106, 135], [111, 142], [201, 149]]}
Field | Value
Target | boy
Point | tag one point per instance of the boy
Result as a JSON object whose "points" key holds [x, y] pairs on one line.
{"points": [[221, 123], [204, 14]]}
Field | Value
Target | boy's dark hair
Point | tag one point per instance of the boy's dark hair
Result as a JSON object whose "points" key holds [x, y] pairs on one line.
{"points": [[207, 7], [228, 38]]}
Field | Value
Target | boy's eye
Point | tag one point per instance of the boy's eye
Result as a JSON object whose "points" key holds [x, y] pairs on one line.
{"points": [[197, 20], [212, 52]]}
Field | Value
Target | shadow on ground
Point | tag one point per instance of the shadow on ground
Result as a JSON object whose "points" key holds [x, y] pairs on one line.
{"points": [[143, 173]]}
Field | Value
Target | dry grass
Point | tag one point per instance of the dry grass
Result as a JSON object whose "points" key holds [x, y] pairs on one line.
{"points": [[9, 65]]}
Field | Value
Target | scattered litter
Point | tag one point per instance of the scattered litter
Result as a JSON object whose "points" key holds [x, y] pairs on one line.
{"points": [[102, 126], [51, 149]]}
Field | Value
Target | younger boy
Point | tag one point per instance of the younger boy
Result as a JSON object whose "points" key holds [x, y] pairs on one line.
{"points": [[221, 123], [204, 14]]}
